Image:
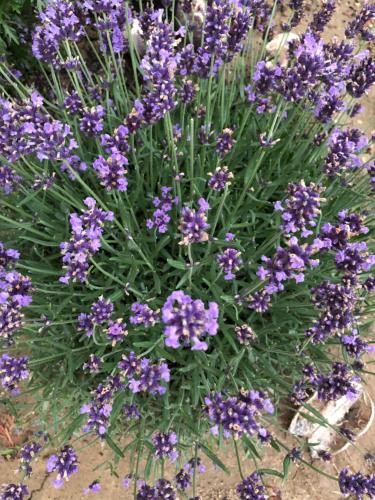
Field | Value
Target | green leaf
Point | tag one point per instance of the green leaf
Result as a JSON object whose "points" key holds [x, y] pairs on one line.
{"points": [[215, 459], [177, 264], [114, 446]]}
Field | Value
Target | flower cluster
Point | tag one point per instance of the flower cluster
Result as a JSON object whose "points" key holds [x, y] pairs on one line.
{"points": [[193, 223], [245, 334], [239, 414], [9, 180], [224, 142], [339, 382], [143, 375], [252, 488], [143, 315], [27, 455], [163, 206], [101, 312], [87, 230], [111, 171], [187, 321], [343, 146], [14, 492], [116, 331], [220, 178], [65, 464], [100, 407], [302, 208], [230, 262], [183, 478], [165, 445], [12, 371], [162, 489], [357, 484]]}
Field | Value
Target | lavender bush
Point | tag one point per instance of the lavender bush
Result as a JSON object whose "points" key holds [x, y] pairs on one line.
{"points": [[188, 223]]}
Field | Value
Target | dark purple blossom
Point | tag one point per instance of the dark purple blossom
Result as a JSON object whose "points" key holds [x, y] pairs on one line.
{"points": [[12, 371], [162, 490], [143, 375], [73, 103], [302, 208], [325, 455], [220, 178], [298, 12], [117, 143], [143, 315], [323, 16], [252, 488], [187, 91], [361, 24], [357, 484], [65, 464], [239, 414], [94, 487], [84, 242], [188, 322], [193, 223], [14, 492], [99, 409], [116, 331], [260, 301], [112, 171], [9, 180], [361, 77], [165, 445], [224, 142], [27, 454], [91, 122], [354, 345], [354, 258], [93, 364], [343, 146], [245, 334], [8, 256], [266, 79], [163, 206], [183, 480], [131, 412], [230, 262]]}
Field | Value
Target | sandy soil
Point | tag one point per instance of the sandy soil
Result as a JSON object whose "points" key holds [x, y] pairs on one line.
{"points": [[302, 483]]}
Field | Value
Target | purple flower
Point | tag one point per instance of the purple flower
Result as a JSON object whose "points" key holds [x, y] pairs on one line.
{"points": [[239, 414], [93, 364], [165, 445], [220, 178], [117, 143], [12, 371], [230, 262], [14, 492], [252, 488], [144, 376], [325, 455], [187, 91], [183, 480], [65, 464], [9, 180], [298, 12], [162, 489], [116, 331], [187, 321], [27, 454], [265, 80], [224, 142], [163, 206], [73, 103], [99, 409], [143, 315], [358, 26], [94, 487], [84, 242], [354, 258], [354, 345], [356, 484], [8, 256], [131, 412], [91, 122], [245, 334], [260, 301], [323, 16], [302, 208], [343, 146], [111, 172], [361, 77], [193, 223]]}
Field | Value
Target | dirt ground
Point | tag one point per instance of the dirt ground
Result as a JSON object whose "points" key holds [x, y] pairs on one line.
{"points": [[302, 484]]}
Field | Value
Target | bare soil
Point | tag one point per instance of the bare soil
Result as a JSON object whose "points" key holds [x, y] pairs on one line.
{"points": [[302, 484]]}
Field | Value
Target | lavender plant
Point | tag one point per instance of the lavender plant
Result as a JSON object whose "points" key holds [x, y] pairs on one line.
{"points": [[188, 224]]}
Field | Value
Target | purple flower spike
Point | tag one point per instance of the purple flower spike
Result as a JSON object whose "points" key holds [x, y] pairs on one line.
{"points": [[12, 371], [14, 492], [163, 205], [245, 334], [230, 262], [224, 142], [92, 121], [165, 445], [143, 315], [220, 178], [112, 171], [143, 375], [252, 488], [65, 464], [193, 224], [116, 331], [94, 487], [187, 321], [356, 484]]}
